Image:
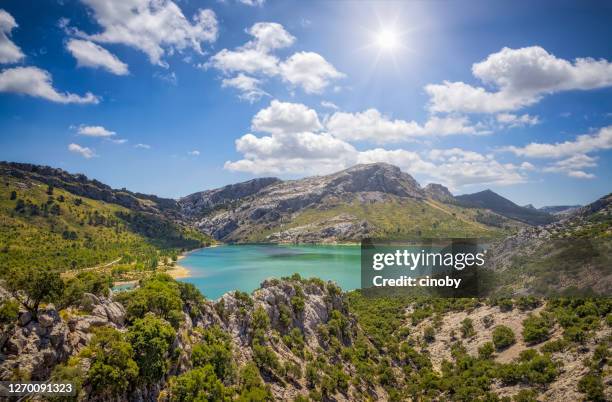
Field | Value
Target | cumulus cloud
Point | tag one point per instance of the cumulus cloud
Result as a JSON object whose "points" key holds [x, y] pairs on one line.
{"points": [[373, 126], [249, 87], [297, 143], [85, 152], [269, 36], [195, 152], [142, 146], [520, 77], [585, 143], [36, 82], [254, 56], [250, 61], [573, 166], [285, 117], [579, 174], [88, 54], [9, 52], [310, 71], [155, 27], [513, 120], [95, 131], [256, 59]]}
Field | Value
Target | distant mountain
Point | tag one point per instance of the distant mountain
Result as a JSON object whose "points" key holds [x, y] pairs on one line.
{"points": [[365, 200], [559, 209], [488, 199]]}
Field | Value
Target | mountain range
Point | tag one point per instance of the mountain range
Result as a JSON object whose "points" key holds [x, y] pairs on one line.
{"points": [[365, 200]]}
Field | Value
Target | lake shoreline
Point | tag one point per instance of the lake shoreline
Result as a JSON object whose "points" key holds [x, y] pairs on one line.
{"points": [[179, 271]]}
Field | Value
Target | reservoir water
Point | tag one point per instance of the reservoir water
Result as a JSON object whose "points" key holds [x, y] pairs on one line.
{"points": [[217, 270]]}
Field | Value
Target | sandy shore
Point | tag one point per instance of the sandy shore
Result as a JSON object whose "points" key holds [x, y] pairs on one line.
{"points": [[178, 271]]}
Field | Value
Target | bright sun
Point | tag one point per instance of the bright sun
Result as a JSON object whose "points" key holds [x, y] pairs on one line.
{"points": [[387, 40]]}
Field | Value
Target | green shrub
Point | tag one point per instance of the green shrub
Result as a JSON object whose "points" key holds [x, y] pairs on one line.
{"points": [[558, 345], [467, 328], [151, 337], [486, 350], [592, 385], [503, 337], [9, 312], [159, 295], [113, 367], [536, 329], [200, 384], [429, 334], [215, 349]]}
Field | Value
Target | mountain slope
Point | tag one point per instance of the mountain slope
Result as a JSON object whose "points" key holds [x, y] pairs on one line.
{"points": [[488, 199], [365, 200], [57, 227], [559, 209], [572, 256]]}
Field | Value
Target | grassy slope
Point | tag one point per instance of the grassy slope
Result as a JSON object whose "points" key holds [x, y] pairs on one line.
{"points": [[40, 240], [398, 218]]}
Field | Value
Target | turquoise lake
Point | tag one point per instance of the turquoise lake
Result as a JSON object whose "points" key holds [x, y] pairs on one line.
{"points": [[217, 270]]}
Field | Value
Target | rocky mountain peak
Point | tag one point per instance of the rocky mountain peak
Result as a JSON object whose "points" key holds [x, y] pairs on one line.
{"points": [[438, 192], [376, 177]]}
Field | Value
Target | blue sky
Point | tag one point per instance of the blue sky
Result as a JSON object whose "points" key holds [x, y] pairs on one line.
{"points": [[175, 97]]}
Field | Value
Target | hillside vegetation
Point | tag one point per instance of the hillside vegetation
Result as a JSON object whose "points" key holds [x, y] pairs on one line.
{"points": [[49, 227]]}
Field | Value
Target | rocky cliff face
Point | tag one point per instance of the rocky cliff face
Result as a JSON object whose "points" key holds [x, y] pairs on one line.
{"points": [[268, 203], [204, 202], [439, 193]]}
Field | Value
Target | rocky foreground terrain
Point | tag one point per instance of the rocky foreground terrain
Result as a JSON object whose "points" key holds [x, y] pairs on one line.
{"points": [[306, 340]]}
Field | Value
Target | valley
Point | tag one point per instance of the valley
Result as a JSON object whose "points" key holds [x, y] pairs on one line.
{"points": [[66, 240]]}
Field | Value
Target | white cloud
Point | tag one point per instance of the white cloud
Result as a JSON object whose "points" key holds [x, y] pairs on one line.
{"points": [[156, 27], [85, 152], [457, 168], [252, 3], [38, 83], [142, 146], [373, 126], [521, 78], [88, 54], [269, 36], [573, 166], [285, 117], [298, 144], [118, 141], [250, 61], [195, 152], [513, 120], [95, 131], [310, 71], [9, 52], [307, 70], [582, 144], [254, 56], [579, 174], [299, 153], [329, 105], [249, 87]]}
